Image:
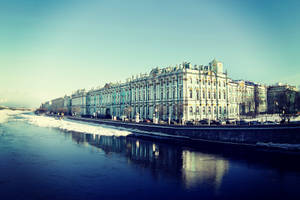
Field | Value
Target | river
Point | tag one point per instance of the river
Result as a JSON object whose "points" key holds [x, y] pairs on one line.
{"points": [[44, 158]]}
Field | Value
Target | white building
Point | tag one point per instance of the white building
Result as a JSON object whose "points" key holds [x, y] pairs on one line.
{"points": [[78, 102], [183, 92]]}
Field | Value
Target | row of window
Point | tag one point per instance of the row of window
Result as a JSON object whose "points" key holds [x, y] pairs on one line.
{"points": [[209, 110], [208, 82], [209, 95]]}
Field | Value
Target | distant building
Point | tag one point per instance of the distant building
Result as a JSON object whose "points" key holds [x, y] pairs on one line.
{"points": [[78, 102], [57, 105], [67, 105]]}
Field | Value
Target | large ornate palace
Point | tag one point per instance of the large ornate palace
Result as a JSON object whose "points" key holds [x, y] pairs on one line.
{"points": [[183, 92]]}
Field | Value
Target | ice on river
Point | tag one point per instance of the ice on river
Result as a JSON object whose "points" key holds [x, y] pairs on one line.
{"points": [[66, 125], [6, 114]]}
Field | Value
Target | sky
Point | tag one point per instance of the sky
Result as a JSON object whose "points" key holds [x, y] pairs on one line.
{"points": [[51, 48]]}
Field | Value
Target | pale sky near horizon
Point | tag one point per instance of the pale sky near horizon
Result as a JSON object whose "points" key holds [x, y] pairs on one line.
{"points": [[50, 48]]}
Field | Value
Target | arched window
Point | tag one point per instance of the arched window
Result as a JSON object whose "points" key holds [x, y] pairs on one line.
{"points": [[220, 110]]}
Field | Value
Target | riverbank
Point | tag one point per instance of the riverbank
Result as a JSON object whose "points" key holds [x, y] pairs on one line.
{"points": [[286, 137]]}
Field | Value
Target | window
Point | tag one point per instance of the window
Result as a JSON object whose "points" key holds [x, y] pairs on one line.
{"points": [[191, 110], [180, 93], [197, 109], [198, 95], [203, 92], [173, 93], [161, 94], [215, 110], [167, 93], [197, 81], [209, 110], [191, 80], [209, 94], [191, 93], [203, 110]]}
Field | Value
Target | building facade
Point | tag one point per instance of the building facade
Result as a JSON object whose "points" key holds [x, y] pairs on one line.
{"points": [[183, 92], [78, 103]]}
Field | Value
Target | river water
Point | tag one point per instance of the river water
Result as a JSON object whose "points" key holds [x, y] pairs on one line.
{"points": [[44, 158]]}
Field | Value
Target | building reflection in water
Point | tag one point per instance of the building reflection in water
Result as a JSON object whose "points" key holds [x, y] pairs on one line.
{"points": [[191, 167], [199, 168]]}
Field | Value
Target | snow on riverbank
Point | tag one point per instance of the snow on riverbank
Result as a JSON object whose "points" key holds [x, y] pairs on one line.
{"points": [[65, 125], [280, 146], [6, 114], [270, 117]]}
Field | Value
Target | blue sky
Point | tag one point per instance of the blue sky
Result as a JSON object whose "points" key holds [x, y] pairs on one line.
{"points": [[52, 47]]}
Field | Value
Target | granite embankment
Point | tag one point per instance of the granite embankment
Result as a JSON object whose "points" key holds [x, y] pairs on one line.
{"points": [[279, 136]]}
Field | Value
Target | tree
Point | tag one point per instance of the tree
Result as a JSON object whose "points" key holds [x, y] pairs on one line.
{"points": [[127, 111], [286, 104], [297, 101], [178, 111], [258, 101]]}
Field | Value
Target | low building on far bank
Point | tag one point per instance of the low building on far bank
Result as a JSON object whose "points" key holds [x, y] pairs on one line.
{"points": [[57, 105], [78, 102]]}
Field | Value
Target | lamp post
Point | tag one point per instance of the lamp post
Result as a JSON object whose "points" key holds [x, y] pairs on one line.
{"points": [[156, 120]]}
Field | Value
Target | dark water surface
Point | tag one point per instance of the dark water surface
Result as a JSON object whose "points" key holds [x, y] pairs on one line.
{"points": [[46, 163]]}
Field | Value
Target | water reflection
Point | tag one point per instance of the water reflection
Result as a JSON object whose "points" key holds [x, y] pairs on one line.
{"points": [[200, 168], [190, 167]]}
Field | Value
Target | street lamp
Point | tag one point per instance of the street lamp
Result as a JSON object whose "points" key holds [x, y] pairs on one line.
{"points": [[156, 118]]}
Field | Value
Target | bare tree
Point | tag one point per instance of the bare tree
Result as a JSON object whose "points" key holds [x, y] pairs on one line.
{"points": [[178, 111], [127, 111], [286, 104]]}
